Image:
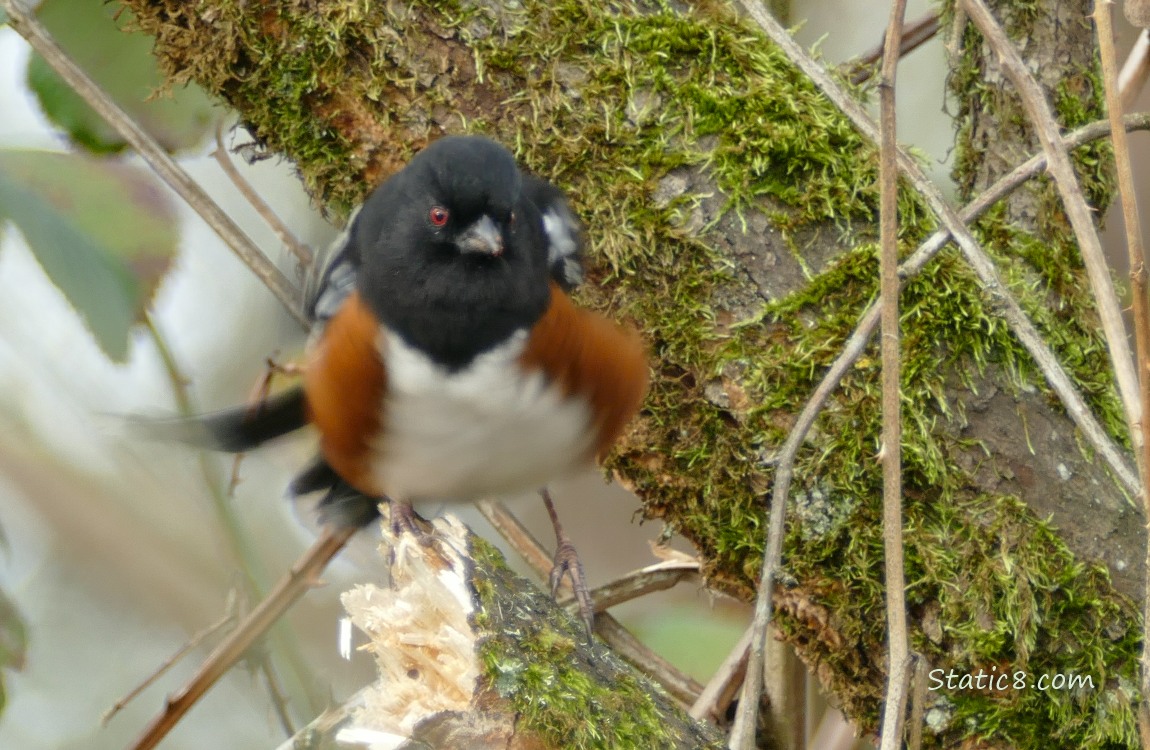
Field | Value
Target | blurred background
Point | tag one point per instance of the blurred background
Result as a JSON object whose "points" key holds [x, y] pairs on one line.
{"points": [[117, 551]]}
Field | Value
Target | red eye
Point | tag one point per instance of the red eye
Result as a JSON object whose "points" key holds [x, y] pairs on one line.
{"points": [[438, 216]]}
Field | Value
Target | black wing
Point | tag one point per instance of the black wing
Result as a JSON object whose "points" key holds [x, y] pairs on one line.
{"points": [[563, 231]]}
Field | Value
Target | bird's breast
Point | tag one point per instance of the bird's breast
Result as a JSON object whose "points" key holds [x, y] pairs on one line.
{"points": [[538, 405], [493, 427]]}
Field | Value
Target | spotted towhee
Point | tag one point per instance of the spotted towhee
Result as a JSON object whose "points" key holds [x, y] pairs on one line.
{"points": [[448, 362]]}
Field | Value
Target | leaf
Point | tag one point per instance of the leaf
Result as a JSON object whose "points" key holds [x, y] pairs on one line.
{"points": [[122, 64], [13, 642], [104, 234], [13, 638]]}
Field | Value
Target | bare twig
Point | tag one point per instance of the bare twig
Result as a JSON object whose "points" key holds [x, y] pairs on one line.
{"points": [[279, 700], [718, 693], [917, 704], [171, 661], [953, 226], [916, 34], [1074, 204], [178, 180], [891, 454], [302, 576], [169, 171], [301, 251], [1104, 23], [236, 538], [658, 577], [857, 342], [1132, 78], [518, 536]]}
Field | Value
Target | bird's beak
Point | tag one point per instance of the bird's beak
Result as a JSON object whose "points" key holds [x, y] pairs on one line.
{"points": [[482, 237]]}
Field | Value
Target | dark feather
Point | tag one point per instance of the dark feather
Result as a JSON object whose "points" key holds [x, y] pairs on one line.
{"points": [[235, 430], [317, 476], [344, 506], [563, 232]]}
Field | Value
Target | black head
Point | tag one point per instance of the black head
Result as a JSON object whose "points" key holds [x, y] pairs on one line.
{"points": [[453, 256]]}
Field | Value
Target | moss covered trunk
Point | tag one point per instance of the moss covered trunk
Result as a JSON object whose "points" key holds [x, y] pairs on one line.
{"points": [[731, 212]]}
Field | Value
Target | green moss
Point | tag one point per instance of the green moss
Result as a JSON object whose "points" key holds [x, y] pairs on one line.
{"points": [[608, 102], [551, 683]]}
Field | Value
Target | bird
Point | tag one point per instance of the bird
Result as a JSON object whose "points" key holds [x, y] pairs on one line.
{"points": [[447, 361]]}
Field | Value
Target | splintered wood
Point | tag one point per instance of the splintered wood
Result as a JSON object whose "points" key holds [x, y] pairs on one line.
{"points": [[472, 656], [419, 632]]}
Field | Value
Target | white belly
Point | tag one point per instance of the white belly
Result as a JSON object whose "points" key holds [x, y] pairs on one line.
{"points": [[489, 429]]}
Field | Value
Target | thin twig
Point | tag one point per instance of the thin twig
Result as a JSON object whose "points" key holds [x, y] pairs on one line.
{"points": [[279, 700], [235, 536], [518, 536], [169, 171], [916, 34], [917, 704], [681, 686], [718, 693], [856, 345], [1104, 23], [301, 251], [953, 227], [302, 576], [237, 541], [898, 647], [170, 662], [1074, 204], [658, 577]]}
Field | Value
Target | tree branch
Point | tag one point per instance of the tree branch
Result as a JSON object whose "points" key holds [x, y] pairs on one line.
{"points": [[898, 639], [656, 122], [1079, 213], [470, 655]]}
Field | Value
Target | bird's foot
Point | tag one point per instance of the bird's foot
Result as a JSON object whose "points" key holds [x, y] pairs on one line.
{"points": [[567, 563]]}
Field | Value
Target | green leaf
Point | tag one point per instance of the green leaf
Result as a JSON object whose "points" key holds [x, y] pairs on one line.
{"points": [[123, 65], [13, 642], [104, 234], [13, 638]]}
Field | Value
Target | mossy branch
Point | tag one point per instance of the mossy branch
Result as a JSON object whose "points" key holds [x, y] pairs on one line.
{"points": [[731, 211], [471, 655]]}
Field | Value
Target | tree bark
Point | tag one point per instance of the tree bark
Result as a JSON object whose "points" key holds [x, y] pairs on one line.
{"points": [[731, 213], [472, 656], [1031, 238]]}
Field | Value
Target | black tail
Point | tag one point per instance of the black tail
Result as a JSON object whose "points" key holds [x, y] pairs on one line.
{"points": [[236, 430], [317, 476]]}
